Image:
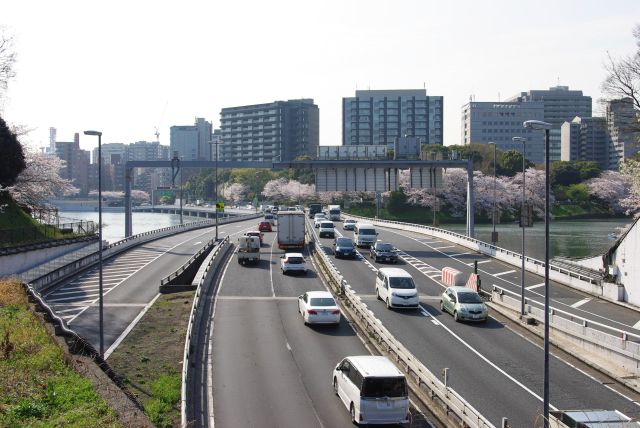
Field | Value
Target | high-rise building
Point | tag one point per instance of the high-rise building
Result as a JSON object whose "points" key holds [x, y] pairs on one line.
{"points": [[277, 131], [560, 105], [622, 123], [191, 142], [499, 122], [379, 117], [587, 139], [77, 163], [108, 150]]}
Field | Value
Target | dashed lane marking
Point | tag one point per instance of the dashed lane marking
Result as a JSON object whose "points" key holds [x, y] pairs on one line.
{"points": [[531, 287], [503, 273], [581, 302]]}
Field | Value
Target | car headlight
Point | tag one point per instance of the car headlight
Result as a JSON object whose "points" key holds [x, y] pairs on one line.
{"points": [[395, 294], [463, 309]]}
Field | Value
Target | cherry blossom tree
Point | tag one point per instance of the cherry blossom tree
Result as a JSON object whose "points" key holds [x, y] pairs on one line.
{"points": [[615, 190], [330, 197], [137, 196], [534, 191], [275, 189], [236, 192], [40, 180], [505, 194]]}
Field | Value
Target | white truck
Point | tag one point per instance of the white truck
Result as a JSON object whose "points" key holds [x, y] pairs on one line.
{"points": [[334, 212], [291, 230], [248, 249]]}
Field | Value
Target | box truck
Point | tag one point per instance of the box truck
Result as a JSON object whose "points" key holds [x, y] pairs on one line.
{"points": [[291, 229]]}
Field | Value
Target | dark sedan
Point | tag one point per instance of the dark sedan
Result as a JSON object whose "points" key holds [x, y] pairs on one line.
{"points": [[343, 247], [382, 251]]}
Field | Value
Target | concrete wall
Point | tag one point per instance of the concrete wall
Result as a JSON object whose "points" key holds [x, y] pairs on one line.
{"points": [[20, 262], [625, 264]]}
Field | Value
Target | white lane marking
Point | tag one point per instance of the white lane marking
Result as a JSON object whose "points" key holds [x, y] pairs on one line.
{"points": [[288, 346], [504, 273], [121, 305], [485, 359], [130, 327], [142, 267], [66, 310], [67, 299], [531, 287], [481, 261], [460, 254], [441, 248], [637, 325], [581, 302], [199, 242]]}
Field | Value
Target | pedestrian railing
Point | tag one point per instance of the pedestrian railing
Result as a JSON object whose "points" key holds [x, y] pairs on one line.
{"points": [[426, 382]]}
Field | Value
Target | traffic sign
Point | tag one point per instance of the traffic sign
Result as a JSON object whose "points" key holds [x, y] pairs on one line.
{"points": [[220, 206]]}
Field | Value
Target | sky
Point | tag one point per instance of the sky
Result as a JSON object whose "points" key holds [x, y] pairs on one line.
{"points": [[127, 67]]}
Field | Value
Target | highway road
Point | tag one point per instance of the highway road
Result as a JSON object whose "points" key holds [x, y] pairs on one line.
{"points": [[130, 280], [269, 369], [496, 370]]}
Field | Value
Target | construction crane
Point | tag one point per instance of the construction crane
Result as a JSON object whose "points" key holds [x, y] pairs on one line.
{"points": [[157, 129]]}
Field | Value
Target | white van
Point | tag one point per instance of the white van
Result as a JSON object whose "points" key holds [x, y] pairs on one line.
{"points": [[365, 235], [373, 389], [395, 287]]}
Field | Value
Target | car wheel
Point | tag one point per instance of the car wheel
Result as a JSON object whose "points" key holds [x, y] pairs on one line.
{"points": [[388, 304], [335, 385], [456, 318], [442, 306], [353, 414], [378, 294]]}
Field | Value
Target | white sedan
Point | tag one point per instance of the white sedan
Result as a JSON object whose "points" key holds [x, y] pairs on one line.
{"points": [[318, 307], [293, 262]]}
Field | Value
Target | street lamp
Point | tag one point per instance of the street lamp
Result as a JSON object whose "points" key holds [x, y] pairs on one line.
{"points": [[537, 124], [494, 235], [522, 213], [101, 296], [215, 187]]}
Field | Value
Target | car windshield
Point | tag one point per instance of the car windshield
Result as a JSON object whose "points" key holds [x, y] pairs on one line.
{"points": [[401, 282], [384, 247], [295, 260], [469, 298], [367, 231], [344, 242], [349, 221], [322, 301], [326, 225], [378, 387], [334, 211]]}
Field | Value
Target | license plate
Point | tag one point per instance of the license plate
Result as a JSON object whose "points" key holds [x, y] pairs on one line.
{"points": [[386, 259], [476, 316], [384, 404]]}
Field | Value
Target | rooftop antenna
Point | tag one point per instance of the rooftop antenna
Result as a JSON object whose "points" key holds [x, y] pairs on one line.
{"points": [[498, 96]]}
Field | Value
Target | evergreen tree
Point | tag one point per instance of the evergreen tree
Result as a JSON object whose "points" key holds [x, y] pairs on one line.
{"points": [[12, 161]]}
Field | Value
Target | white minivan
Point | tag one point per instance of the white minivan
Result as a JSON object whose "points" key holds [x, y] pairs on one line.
{"points": [[364, 235], [373, 389], [395, 287]]}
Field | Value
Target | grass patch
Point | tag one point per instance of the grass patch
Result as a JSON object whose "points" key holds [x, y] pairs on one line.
{"points": [[38, 388], [150, 358], [579, 211], [18, 228]]}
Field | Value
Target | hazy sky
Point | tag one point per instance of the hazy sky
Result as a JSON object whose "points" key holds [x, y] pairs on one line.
{"points": [[114, 65]]}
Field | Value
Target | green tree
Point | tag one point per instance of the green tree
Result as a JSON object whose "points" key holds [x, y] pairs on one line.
{"points": [[588, 169], [564, 173], [578, 193], [12, 161], [397, 201], [510, 163]]}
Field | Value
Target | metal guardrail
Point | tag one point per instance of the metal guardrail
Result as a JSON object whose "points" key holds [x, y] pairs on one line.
{"points": [[85, 262], [485, 246], [572, 317], [188, 263], [214, 260], [425, 380]]}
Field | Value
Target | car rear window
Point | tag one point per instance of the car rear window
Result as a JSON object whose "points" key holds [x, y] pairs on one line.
{"points": [[378, 387], [401, 282], [295, 260], [326, 225], [367, 232], [344, 242], [469, 298], [322, 301], [384, 247]]}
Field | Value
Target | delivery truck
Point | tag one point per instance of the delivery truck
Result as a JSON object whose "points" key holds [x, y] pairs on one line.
{"points": [[248, 249], [291, 230]]}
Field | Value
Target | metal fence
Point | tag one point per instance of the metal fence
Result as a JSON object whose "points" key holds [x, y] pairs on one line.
{"points": [[45, 232]]}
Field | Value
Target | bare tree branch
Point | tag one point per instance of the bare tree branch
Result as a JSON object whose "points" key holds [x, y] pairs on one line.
{"points": [[7, 60]]}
